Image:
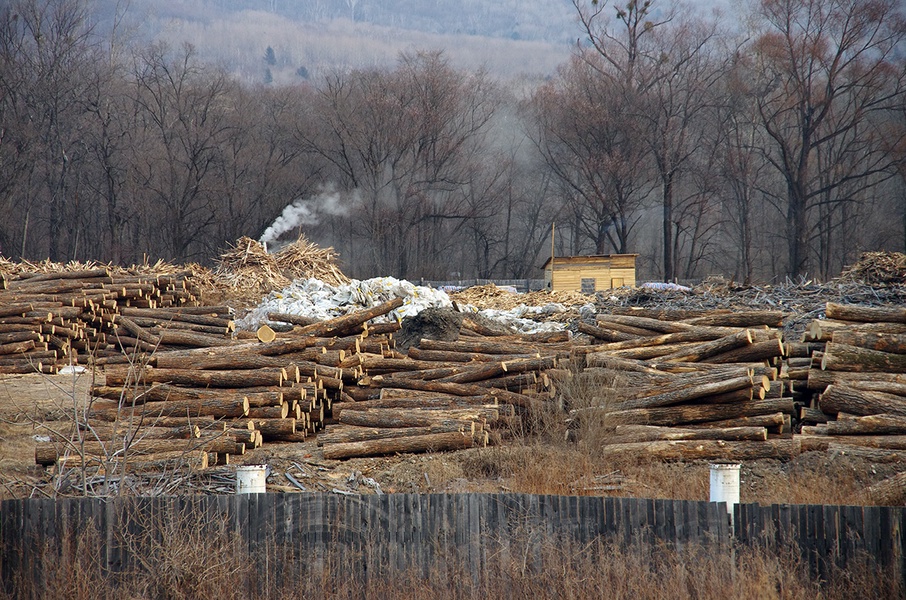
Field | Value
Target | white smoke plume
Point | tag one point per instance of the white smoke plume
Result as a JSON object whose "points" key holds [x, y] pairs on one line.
{"points": [[307, 211]]}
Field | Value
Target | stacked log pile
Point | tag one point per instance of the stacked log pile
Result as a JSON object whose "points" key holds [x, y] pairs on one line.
{"points": [[52, 319], [697, 385], [226, 398], [858, 377], [480, 387]]}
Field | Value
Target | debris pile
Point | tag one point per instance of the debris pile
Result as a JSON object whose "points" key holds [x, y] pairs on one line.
{"points": [[248, 268]]}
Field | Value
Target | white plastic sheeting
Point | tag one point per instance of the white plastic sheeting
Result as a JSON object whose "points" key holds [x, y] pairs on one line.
{"points": [[316, 299]]}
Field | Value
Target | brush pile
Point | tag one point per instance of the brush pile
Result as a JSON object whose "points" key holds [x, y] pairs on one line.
{"points": [[249, 270]]}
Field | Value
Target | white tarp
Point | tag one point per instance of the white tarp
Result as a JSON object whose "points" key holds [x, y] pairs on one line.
{"points": [[316, 299]]}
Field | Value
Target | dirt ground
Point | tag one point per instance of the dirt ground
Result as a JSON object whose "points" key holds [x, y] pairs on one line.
{"points": [[32, 405]]}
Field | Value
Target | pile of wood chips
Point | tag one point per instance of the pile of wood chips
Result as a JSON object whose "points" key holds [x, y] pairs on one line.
{"points": [[304, 259], [491, 296], [249, 271], [877, 268]]}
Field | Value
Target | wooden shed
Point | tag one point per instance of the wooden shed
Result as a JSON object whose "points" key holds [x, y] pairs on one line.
{"points": [[589, 274]]}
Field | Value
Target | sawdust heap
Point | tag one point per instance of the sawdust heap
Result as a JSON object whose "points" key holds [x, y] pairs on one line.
{"points": [[877, 268], [491, 296], [248, 269]]}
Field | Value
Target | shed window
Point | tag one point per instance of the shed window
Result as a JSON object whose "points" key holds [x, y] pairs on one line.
{"points": [[588, 285]]}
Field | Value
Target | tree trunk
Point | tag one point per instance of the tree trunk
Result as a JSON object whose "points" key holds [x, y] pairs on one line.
{"points": [[650, 433], [842, 398], [841, 357], [689, 450]]}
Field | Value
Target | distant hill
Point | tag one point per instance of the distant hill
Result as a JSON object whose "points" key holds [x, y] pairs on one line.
{"points": [[511, 38]]}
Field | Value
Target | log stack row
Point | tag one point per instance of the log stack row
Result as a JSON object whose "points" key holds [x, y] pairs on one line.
{"points": [[446, 394], [686, 385], [48, 320], [857, 376]]}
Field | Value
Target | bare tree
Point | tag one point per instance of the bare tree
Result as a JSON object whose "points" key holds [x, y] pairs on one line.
{"points": [[184, 125], [827, 74]]}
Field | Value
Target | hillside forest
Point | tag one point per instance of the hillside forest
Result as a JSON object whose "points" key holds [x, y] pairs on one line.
{"points": [[768, 148]]}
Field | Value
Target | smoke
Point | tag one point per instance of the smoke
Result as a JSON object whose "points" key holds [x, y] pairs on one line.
{"points": [[307, 211]]}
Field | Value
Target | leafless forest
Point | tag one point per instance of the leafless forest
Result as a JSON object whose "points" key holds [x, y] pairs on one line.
{"points": [[773, 148]]}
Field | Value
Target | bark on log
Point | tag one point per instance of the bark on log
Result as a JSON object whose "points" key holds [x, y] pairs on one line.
{"points": [[198, 378], [194, 460], [841, 357], [853, 312], [745, 318], [653, 326], [881, 424], [875, 455], [774, 422], [818, 379], [885, 342], [344, 434], [650, 433], [843, 398], [687, 394], [417, 443], [822, 330], [691, 413], [605, 334], [766, 350], [889, 492], [212, 407], [704, 350], [820, 443], [349, 323], [391, 417], [47, 453], [783, 449]]}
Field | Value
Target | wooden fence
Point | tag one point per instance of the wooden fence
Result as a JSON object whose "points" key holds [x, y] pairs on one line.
{"points": [[474, 534]]}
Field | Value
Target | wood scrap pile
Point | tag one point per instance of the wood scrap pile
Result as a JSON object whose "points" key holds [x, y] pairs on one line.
{"points": [[698, 384], [248, 268], [858, 375], [491, 296], [51, 318]]}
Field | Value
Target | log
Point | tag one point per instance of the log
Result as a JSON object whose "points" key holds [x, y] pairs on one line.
{"points": [[653, 326], [605, 334], [434, 442], [745, 318], [774, 422], [349, 323], [165, 392], [116, 375], [265, 334], [702, 334], [843, 398], [885, 342], [711, 348], [47, 453], [752, 353], [687, 450], [483, 346], [818, 379], [183, 337], [177, 314], [889, 492], [343, 434], [842, 357], [822, 330], [821, 443], [467, 389], [691, 413], [194, 460], [686, 394], [650, 433], [880, 424], [875, 455], [290, 318], [212, 407], [853, 312], [427, 402], [391, 417]]}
